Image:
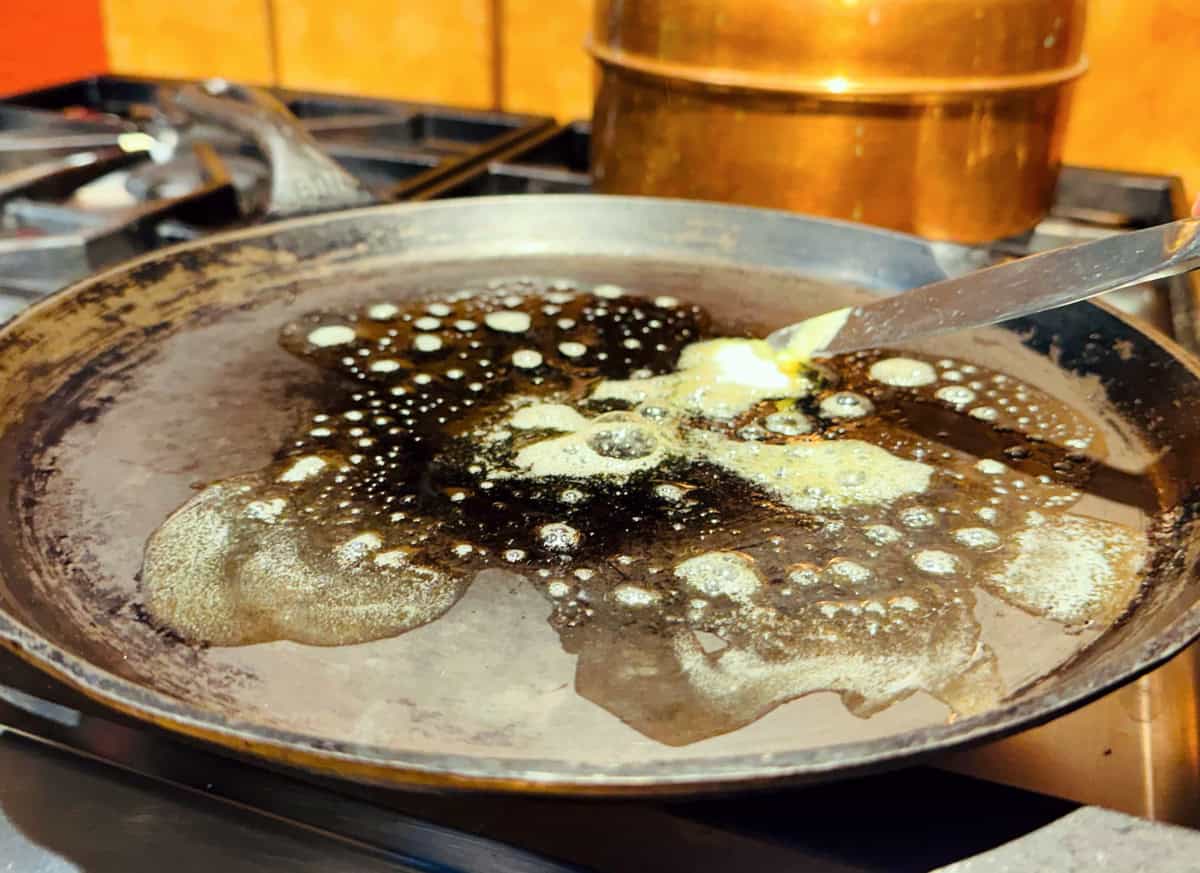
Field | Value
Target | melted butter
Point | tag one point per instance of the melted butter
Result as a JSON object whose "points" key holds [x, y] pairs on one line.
{"points": [[872, 650], [817, 476], [810, 337], [614, 446], [718, 379], [223, 570], [717, 531], [548, 416], [903, 372], [1070, 569]]}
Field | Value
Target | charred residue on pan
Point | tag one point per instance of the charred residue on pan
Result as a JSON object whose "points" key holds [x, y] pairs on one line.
{"points": [[52, 556], [706, 556]]}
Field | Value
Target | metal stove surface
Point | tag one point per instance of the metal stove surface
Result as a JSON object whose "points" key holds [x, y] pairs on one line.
{"points": [[80, 188], [95, 171]]}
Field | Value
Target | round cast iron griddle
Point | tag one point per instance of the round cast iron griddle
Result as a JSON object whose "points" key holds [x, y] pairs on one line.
{"points": [[120, 394]]}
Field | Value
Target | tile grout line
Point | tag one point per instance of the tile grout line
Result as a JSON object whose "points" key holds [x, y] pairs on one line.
{"points": [[496, 13], [272, 41]]}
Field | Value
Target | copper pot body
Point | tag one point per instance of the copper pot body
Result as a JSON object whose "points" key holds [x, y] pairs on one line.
{"points": [[938, 117]]}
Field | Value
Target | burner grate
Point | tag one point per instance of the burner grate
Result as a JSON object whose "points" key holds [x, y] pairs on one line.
{"points": [[86, 178]]}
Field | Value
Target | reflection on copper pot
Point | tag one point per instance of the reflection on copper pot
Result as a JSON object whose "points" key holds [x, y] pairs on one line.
{"points": [[938, 117]]}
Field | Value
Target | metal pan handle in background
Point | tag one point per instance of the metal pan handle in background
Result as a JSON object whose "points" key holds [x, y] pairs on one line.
{"points": [[304, 179]]}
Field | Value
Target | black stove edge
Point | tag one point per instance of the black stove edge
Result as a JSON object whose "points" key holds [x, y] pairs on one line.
{"points": [[150, 754], [92, 89], [460, 182]]}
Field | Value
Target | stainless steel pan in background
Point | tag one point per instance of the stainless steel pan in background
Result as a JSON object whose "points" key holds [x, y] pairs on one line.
{"points": [[120, 393]]}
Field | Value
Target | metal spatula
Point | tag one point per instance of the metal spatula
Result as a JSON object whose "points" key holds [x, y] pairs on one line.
{"points": [[1033, 284]]}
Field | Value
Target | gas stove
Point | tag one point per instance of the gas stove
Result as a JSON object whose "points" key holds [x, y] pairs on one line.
{"points": [[95, 171]]}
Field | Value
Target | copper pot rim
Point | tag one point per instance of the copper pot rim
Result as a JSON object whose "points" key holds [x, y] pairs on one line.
{"points": [[831, 88]]}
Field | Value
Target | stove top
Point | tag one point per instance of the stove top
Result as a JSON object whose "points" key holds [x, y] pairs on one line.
{"points": [[93, 172]]}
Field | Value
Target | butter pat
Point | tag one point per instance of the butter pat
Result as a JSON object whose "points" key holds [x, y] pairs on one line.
{"points": [[811, 337], [717, 379]]}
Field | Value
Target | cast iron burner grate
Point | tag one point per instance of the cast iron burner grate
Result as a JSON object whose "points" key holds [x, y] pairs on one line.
{"points": [[92, 173]]}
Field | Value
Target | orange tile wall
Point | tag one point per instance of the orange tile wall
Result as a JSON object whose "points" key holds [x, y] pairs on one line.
{"points": [[44, 42], [230, 38], [1137, 108], [545, 69], [413, 49]]}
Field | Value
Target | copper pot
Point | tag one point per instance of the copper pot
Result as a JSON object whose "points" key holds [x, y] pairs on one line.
{"points": [[938, 117]]}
